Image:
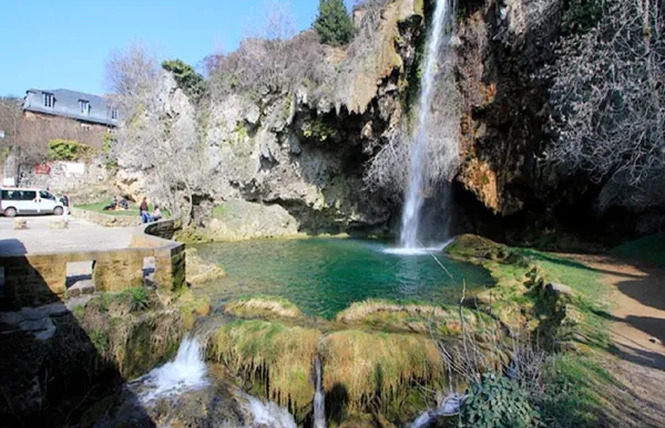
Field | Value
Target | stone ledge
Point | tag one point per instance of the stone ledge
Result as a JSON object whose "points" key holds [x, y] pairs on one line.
{"points": [[106, 220]]}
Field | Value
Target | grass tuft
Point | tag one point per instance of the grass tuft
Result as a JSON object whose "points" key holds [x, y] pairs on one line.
{"points": [[263, 307]]}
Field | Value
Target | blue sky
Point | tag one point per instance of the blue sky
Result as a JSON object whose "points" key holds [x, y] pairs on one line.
{"points": [[51, 44]]}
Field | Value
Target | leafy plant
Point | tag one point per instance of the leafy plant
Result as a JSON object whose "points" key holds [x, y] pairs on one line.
{"points": [[497, 401], [68, 150], [333, 23], [138, 297]]}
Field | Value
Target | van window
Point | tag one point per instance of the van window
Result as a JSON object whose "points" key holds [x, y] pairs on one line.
{"points": [[27, 195], [46, 195], [10, 195]]}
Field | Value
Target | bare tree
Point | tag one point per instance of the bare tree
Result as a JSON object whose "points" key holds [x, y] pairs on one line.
{"points": [[158, 134], [608, 102], [131, 74]]}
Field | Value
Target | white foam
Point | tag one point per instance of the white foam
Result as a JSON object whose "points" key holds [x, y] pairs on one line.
{"points": [[268, 414], [417, 251], [187, 372]]}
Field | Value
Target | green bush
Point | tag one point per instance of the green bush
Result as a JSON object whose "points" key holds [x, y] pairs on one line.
{"points": [[68, 150], [333, 23], [138, 297], [191, 83], [497, 401]]}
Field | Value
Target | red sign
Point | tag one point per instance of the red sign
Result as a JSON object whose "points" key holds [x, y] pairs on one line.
{"points": [[42, 169]]}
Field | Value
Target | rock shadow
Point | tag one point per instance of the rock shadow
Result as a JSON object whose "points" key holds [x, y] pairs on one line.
{"points": [[52, 373]]}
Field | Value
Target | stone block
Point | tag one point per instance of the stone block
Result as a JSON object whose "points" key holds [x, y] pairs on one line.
{"points": [[59, 224], [20, 224]]}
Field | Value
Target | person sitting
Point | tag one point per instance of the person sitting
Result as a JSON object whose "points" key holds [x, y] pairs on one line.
{"points": [[112, 206], [156, 213], [123, 205]]}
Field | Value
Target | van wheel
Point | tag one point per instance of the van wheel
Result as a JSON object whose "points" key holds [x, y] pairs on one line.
{"points": [[10, 212], [58, 211]]}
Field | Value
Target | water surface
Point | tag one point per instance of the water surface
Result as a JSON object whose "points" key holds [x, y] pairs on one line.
{"points": [[324, 276]]}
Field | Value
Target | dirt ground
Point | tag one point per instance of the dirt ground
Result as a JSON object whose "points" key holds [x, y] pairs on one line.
{"points": [[637, 298]]}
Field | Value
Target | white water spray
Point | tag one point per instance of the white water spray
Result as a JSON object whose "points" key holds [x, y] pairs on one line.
{"points": [[450, 407], [267, 414], [319, 399], [418, 165], [187, 372]]}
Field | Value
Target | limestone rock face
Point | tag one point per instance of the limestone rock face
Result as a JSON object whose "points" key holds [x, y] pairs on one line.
{"points": [[239, 219], [299, 151], [503, 48]]}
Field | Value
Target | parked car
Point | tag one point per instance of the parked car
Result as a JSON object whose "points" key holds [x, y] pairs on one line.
{"points": [[29, 201]]}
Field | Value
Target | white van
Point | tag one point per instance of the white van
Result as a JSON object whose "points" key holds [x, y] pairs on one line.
{"points": [[29, 201]]}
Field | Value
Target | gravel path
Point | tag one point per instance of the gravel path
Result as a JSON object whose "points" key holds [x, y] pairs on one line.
{"points": [[80, 236], [638, 332]]}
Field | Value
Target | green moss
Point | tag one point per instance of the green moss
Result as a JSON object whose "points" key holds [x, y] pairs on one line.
{"points": [[440, 321], [220, 211], [100, 340], [319, 129]]}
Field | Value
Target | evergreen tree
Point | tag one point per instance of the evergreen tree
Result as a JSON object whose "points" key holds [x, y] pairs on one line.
{"points": [[333, 23]]}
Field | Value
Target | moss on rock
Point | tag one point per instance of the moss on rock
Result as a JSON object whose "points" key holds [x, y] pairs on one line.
{"points": [[275, 359], [381, 372], [411, 317], [263, 307]]}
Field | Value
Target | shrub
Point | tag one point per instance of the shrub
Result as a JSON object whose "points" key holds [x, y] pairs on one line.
{"points": [[191, 83], [68, 150], [497, 401], [334, 24], [108, 150]]}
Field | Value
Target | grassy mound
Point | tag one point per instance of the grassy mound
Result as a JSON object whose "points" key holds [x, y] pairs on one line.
{"points": [[649, 249], [381, 372], [190, 307], [275, 359], [410, 317], [131, 330], [263, 307]]}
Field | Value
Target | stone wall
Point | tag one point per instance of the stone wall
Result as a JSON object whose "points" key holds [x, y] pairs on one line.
{"points": [[36, 279], [106, 220]]}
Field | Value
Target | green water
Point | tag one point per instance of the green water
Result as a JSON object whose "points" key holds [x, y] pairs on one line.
{"points": [[324, 276]]}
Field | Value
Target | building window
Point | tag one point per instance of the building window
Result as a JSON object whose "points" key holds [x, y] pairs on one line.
{"points": [[84, 106], [48, 99], [114, 114]]}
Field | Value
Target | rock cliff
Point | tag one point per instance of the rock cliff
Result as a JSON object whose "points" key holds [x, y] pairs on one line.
{"points": [[311, 146]]}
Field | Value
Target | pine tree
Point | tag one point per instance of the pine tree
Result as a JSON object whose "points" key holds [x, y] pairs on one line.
{"points": [[333, 23]]}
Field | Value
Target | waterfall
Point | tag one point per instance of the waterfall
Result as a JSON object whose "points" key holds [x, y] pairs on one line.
{"points": [[414, 197], [450, 407], [267, 414], [319, 399], [187, 372]]}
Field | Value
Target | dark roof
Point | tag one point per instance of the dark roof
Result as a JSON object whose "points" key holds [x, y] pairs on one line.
{"points": [[67, 105]]}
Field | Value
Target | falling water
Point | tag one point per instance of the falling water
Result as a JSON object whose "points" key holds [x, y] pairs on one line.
{"points": [[267, 414], [417, 168], [187, 372], [450, 407], [319, 401]]}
